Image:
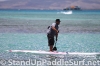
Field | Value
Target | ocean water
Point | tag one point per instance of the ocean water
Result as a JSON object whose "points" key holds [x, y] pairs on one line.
{"points": [[26, 30]]}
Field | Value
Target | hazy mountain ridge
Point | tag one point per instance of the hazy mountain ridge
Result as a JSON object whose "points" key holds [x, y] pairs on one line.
{"points": [[48, 4]]}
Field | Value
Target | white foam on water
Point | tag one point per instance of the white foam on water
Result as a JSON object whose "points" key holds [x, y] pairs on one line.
{"points": [[65, 12]]}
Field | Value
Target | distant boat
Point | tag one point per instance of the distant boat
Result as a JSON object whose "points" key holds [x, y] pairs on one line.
{"points": [[72, 8]]}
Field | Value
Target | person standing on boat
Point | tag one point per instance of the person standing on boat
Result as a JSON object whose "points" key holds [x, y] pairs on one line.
{"points": [[53, 32]]}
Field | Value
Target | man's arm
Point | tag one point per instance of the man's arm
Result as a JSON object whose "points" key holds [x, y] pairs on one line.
{"points": [[56, 32], [55, 29]]}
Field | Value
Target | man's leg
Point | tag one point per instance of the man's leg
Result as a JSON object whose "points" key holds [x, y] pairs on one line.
{"points": [[50, 42], [51, 47]]}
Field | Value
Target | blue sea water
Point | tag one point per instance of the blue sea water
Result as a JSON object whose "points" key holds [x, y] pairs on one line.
{"points": [[26, 30]]}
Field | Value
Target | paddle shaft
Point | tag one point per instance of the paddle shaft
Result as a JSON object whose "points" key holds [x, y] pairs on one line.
{"points": [[55, 48], [55, 43]]}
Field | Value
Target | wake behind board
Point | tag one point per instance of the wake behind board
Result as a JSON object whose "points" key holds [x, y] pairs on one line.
{"points": [[52, 53]]}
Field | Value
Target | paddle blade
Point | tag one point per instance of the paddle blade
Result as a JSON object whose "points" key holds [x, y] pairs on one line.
{"points": [[55, 49]]}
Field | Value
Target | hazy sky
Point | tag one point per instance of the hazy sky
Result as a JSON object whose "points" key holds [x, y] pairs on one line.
{"points": [[48, 4]]}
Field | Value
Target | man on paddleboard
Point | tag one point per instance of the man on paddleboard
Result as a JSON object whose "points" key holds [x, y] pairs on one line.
{"points": [[53, 32]]}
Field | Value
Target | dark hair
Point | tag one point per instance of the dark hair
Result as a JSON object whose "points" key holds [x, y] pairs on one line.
{"points": [[58, 20]]}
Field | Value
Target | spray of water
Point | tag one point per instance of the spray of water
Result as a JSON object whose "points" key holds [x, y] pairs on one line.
{"points": [[65, 12]]}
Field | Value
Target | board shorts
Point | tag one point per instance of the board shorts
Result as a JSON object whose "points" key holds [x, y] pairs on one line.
{"points": [[50, 40]]}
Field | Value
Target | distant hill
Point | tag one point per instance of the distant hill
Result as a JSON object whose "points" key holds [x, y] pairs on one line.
{"points": [[48, 4]]}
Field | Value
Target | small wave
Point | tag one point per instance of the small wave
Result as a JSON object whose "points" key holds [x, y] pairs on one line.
{"points": [[63, 12]]}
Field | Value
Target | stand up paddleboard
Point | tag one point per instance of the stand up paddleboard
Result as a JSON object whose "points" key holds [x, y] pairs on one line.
{"points": [[38, 52], [52, 53]]}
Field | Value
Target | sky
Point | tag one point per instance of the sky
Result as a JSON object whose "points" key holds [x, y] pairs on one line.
{"points": [[48, 4]]}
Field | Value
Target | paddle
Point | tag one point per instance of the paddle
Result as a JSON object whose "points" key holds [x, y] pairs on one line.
{"points": [[55, 48]]}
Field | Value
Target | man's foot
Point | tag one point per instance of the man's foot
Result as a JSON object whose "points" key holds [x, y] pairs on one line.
{"points": [[55, 51], [50, 51]]}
